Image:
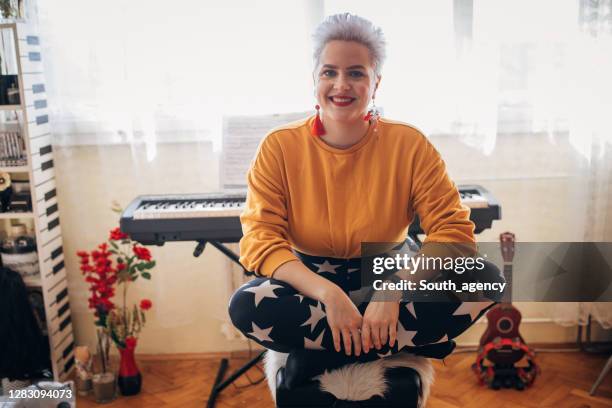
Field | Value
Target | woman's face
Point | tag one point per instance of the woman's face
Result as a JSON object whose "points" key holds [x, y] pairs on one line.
{"points": [[345, 81]]}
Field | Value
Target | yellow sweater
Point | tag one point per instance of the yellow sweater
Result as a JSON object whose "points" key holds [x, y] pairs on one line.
{"points": [[324, 201]]}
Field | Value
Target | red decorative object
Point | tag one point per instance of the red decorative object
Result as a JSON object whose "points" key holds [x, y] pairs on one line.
{"points": [[113, 265], [130, 379], [142, 253], [317, 128], [117, 235], [145, 304], [101, 276]]}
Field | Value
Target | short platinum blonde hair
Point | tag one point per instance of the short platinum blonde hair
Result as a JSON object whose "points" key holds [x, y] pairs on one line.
{"points": [[349, 27]]}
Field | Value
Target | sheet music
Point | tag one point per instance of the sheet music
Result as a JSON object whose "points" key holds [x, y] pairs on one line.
{"points": [[241, 137]]}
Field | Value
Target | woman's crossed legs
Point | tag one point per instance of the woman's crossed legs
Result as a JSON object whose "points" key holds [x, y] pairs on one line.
{"points": [[275, 315]]}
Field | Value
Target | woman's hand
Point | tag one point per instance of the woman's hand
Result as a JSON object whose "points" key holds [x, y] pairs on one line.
{"points": [[344, 320], [379, 324]]}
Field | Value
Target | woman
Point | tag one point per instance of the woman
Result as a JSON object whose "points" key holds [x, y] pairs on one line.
{"points": [[317, 189]]}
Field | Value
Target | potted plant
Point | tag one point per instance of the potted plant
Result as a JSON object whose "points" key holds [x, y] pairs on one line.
{"points": [[117, 264]]}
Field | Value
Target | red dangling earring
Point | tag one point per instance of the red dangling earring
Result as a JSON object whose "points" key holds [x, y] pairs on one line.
{"points": [[373, 113], [317, 128]]}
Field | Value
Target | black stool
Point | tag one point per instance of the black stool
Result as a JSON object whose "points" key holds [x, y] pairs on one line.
{"points": [[404, 390]]}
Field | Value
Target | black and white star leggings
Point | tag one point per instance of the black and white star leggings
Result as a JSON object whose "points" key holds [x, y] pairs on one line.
{"points": [[275, 315]]}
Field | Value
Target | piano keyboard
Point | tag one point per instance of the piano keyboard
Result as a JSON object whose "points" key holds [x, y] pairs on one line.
{"points": [[196, 208], [215, 217], [202, 207]]}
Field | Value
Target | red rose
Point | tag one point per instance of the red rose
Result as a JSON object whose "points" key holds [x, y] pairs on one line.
{"points": [[117, 235], [145, 304], [130, 342], [142, 253]]}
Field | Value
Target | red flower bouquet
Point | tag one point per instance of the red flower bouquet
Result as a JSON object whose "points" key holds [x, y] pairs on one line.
{"points": [[116, 264]]}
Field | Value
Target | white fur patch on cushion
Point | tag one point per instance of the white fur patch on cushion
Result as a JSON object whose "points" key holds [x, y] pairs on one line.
{"points": [[273, 361], [359, 381]]}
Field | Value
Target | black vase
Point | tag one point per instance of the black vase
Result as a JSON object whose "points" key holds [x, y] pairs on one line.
{"points": [[130, 385]]}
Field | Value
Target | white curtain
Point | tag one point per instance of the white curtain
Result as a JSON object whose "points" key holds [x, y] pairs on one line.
{"points": [[593, 135], [155, 71]]}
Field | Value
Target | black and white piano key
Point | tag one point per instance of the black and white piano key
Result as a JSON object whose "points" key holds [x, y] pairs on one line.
{"points": [[38, 119], [53, 268], [58, 316], [41, 154], [40, 103], [56, 293], [53, 256], [40, 128], [31, 60], [39, 143], [31, 79], [46, 200], [59, 324], [37, 114], [48, 214], [57, 252], [49, 223], [45, 191], [62, 352], [52, 250], [27, 40], [34, 89], [53, 271], [44, 172], [34, 92], [46, 234]]}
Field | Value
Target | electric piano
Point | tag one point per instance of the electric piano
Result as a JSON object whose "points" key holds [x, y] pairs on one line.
{"points": [[155, 219]]}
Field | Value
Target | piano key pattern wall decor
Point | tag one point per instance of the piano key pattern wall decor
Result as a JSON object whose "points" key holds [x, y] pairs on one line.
{"points": [[37, 135]]}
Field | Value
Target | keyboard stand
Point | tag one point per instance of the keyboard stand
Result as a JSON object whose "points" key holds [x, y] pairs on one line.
{"points": [[219, 384]]}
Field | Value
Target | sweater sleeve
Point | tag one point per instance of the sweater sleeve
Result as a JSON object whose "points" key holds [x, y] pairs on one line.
{"points": [[264, 245], [437, 202]]}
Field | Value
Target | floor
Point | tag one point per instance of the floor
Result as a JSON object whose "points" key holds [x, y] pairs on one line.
{"points": [[565, 381]]}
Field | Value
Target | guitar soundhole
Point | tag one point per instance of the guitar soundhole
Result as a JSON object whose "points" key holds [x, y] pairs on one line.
{"points": [[505, 325]]}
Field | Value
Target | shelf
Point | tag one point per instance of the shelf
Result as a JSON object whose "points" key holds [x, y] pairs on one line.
{"points": [[10, 107], [12, 215], [15, 169]]}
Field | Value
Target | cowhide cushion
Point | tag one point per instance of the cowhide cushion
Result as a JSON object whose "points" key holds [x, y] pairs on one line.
{"points": [[360, 381]]}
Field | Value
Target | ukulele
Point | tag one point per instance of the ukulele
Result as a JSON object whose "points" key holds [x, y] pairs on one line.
{"points": [[503, 320]]}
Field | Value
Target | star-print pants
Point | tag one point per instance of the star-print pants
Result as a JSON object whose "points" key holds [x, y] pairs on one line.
{"points": [[275, 315]]}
